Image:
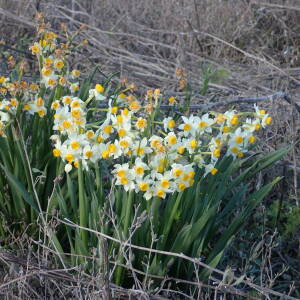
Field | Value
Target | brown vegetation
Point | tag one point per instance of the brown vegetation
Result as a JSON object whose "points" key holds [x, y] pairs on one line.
{"points": [[255, 47]]}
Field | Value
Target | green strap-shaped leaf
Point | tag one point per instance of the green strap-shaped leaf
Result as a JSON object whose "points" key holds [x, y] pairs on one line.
{"points": [[20, 188]]}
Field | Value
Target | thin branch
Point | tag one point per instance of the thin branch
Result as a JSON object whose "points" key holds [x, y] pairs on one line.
{"points": [[276, 5], [263, 290], [238, 100]]}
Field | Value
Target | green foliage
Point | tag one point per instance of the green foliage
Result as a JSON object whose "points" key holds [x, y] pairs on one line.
{"points": [[209, 74], [289, 222], [200, 221]]}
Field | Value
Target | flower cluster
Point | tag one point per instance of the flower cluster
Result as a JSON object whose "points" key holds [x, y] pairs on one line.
{"points": [[51, 57], [153, 164], [149, 154], [52, 63], [9, 100]]}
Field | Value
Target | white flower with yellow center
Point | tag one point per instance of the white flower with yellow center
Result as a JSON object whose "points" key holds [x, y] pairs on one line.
{"points": [[121, 121], [204, 123], [163, 186], [50, 81], [139, 168], [36, 49], [140, 148], [91, 153], [260, 113], [191, 144], [104, 152], [58, 149], [210, 169], [114, 149], [169, 124], [62, 120], [74, 87], [141, 124], [172, 141], [39, 101], [98, 92], [46, 72], [252, 125], [267, 120], [5, 105], [236, 142], [231, 118], [55, 105], [76, 103], [78, 115], [165, 181], [41, 111], [75, 74], [76, 142], [125, 143], [58, 64], [69, 155], [177, 170], [125, 131], [155, 141], [149, 192], [66, 100], [124, 176], [188, 126], [145, 185], [106, 129], [120, 170]]}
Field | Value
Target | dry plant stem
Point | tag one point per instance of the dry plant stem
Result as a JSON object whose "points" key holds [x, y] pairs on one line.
{"points": [[62, 274], [242, 51], [263, 290], [238, 100], [206, 107], [39, 272], [153, 240], [105, 268], [275, 5]]}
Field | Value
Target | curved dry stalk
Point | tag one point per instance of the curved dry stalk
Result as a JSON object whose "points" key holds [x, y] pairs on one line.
{"points": [[262, 290]]}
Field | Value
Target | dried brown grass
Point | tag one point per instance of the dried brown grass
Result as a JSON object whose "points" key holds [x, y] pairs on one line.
{"points": [[147, 40]]}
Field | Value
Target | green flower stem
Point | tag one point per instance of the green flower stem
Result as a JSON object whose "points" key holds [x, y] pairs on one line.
{"points": [[171, 219], [58, 92], [155, 211], [128, 212], [119, 271], [99, 184], [82, 206]]}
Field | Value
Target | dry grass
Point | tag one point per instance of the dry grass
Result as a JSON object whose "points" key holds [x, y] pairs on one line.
{"points": [[146, 41]]}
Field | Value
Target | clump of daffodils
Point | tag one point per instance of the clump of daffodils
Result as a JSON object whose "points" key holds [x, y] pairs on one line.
{"points": [[148, 154], [10, 94], [22, 96], [152, 157]]}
